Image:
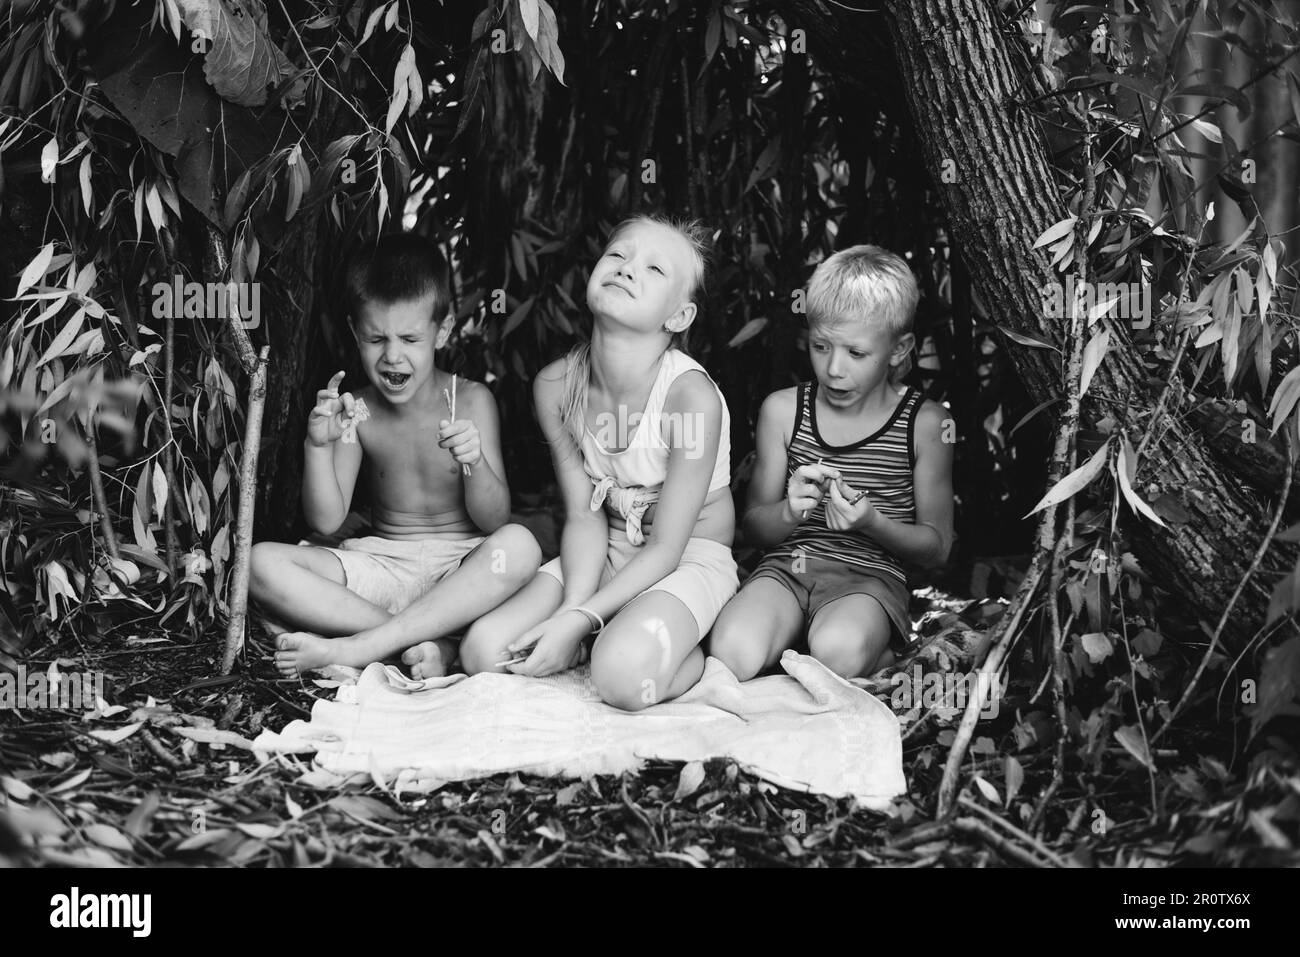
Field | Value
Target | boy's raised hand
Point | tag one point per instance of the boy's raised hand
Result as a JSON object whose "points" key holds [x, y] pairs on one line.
{"points": [[331, 415], [461, 439], [847, 509], [806, 488]]}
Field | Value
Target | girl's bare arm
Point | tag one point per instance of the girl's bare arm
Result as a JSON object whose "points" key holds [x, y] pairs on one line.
{"points": [[692, 453], [768, 519], [584, 539]]}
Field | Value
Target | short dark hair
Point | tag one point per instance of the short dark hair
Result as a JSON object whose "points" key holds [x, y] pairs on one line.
{"points": [[399, 267]]}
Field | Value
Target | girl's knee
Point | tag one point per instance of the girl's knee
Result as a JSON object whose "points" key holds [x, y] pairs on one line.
{"points": [[630, 681], [484, 645], [627, 688]]}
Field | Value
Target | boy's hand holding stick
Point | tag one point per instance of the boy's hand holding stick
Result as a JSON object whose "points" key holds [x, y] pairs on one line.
{"points": [[808, 486], [451, 408], [842, 511]]}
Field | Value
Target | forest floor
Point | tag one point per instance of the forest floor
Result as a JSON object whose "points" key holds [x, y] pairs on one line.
{"points": [[166, 777]]}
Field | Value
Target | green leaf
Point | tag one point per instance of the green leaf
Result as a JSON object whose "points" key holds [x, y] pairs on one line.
{"points": [[548, 46], [1055, 231], [518, 316], [1097, 646], [64, 338], [1130, 736], [689, 781], [1025, 340], [1093, 354], [241, 59], [1279, 684], [750, 330], [1127, 462], [1015, 777], [1284, 399], [1076, 480], [36, 269], [530, 13]]}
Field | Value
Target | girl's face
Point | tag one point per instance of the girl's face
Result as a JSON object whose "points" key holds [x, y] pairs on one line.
{"points": [[643, 278]]}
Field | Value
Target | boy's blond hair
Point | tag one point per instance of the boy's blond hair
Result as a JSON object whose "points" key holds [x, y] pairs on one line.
{"points": [[866, 283]]}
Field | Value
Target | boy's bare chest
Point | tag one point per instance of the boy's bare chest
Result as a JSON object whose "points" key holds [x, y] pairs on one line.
{"points": [[396, 447]]}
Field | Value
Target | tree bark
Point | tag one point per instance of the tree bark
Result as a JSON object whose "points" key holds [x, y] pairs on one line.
{"points": [[960, 86]]}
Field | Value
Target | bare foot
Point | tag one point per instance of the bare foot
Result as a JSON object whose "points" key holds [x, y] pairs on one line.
{"points": [[424, 660], [301, 651]]}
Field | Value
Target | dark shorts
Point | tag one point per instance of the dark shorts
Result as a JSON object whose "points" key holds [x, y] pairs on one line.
{"points": [[822, 581]]}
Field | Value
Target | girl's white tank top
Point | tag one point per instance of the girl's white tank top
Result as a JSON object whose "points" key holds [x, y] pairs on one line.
{"points": [[630, 480]]}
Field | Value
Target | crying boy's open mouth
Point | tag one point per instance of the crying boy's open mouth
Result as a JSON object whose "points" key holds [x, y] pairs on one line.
{"points": [[395, 380]]}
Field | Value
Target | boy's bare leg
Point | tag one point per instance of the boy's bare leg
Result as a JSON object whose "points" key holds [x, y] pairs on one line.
{"points": [[490, 574], [850, 636], [430, 659], [755, 627], [301, 587]]}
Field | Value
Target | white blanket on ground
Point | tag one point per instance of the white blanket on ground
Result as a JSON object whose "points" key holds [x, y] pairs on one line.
{"points": [[809, 730]]}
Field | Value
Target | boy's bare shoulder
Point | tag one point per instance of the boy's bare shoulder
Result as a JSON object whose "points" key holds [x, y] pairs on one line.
{"points": [[782, 399], [930, 420], [473, 390]]}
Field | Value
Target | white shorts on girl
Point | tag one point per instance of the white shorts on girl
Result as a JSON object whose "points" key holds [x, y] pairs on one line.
{"points": [[704, 581], [391, 573]]}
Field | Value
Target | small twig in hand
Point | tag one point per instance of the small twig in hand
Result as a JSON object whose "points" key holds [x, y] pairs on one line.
{"points": [[451, 408]]}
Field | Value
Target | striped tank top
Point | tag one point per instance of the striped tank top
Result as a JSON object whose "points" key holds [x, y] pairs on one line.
{"points": [[881, 464]]}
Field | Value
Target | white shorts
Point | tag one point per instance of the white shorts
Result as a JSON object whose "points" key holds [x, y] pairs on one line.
{"points": [[392, 573], [704, 581]]}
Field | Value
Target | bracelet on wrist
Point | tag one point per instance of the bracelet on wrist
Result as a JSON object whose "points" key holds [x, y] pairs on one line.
{"points": [[593, 618]]}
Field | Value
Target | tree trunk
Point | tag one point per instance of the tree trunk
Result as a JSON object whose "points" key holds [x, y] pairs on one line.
{"points": [[960, 86]]}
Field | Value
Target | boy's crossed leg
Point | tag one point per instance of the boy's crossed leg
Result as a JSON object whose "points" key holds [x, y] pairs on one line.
{"points": [[302, 586], [755, 627], [493, 571]]}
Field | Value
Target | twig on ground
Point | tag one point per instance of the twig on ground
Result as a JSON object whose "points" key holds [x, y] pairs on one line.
{"points": [[154, 745], [1051, 856], [968, 825], [1007, 628]]}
